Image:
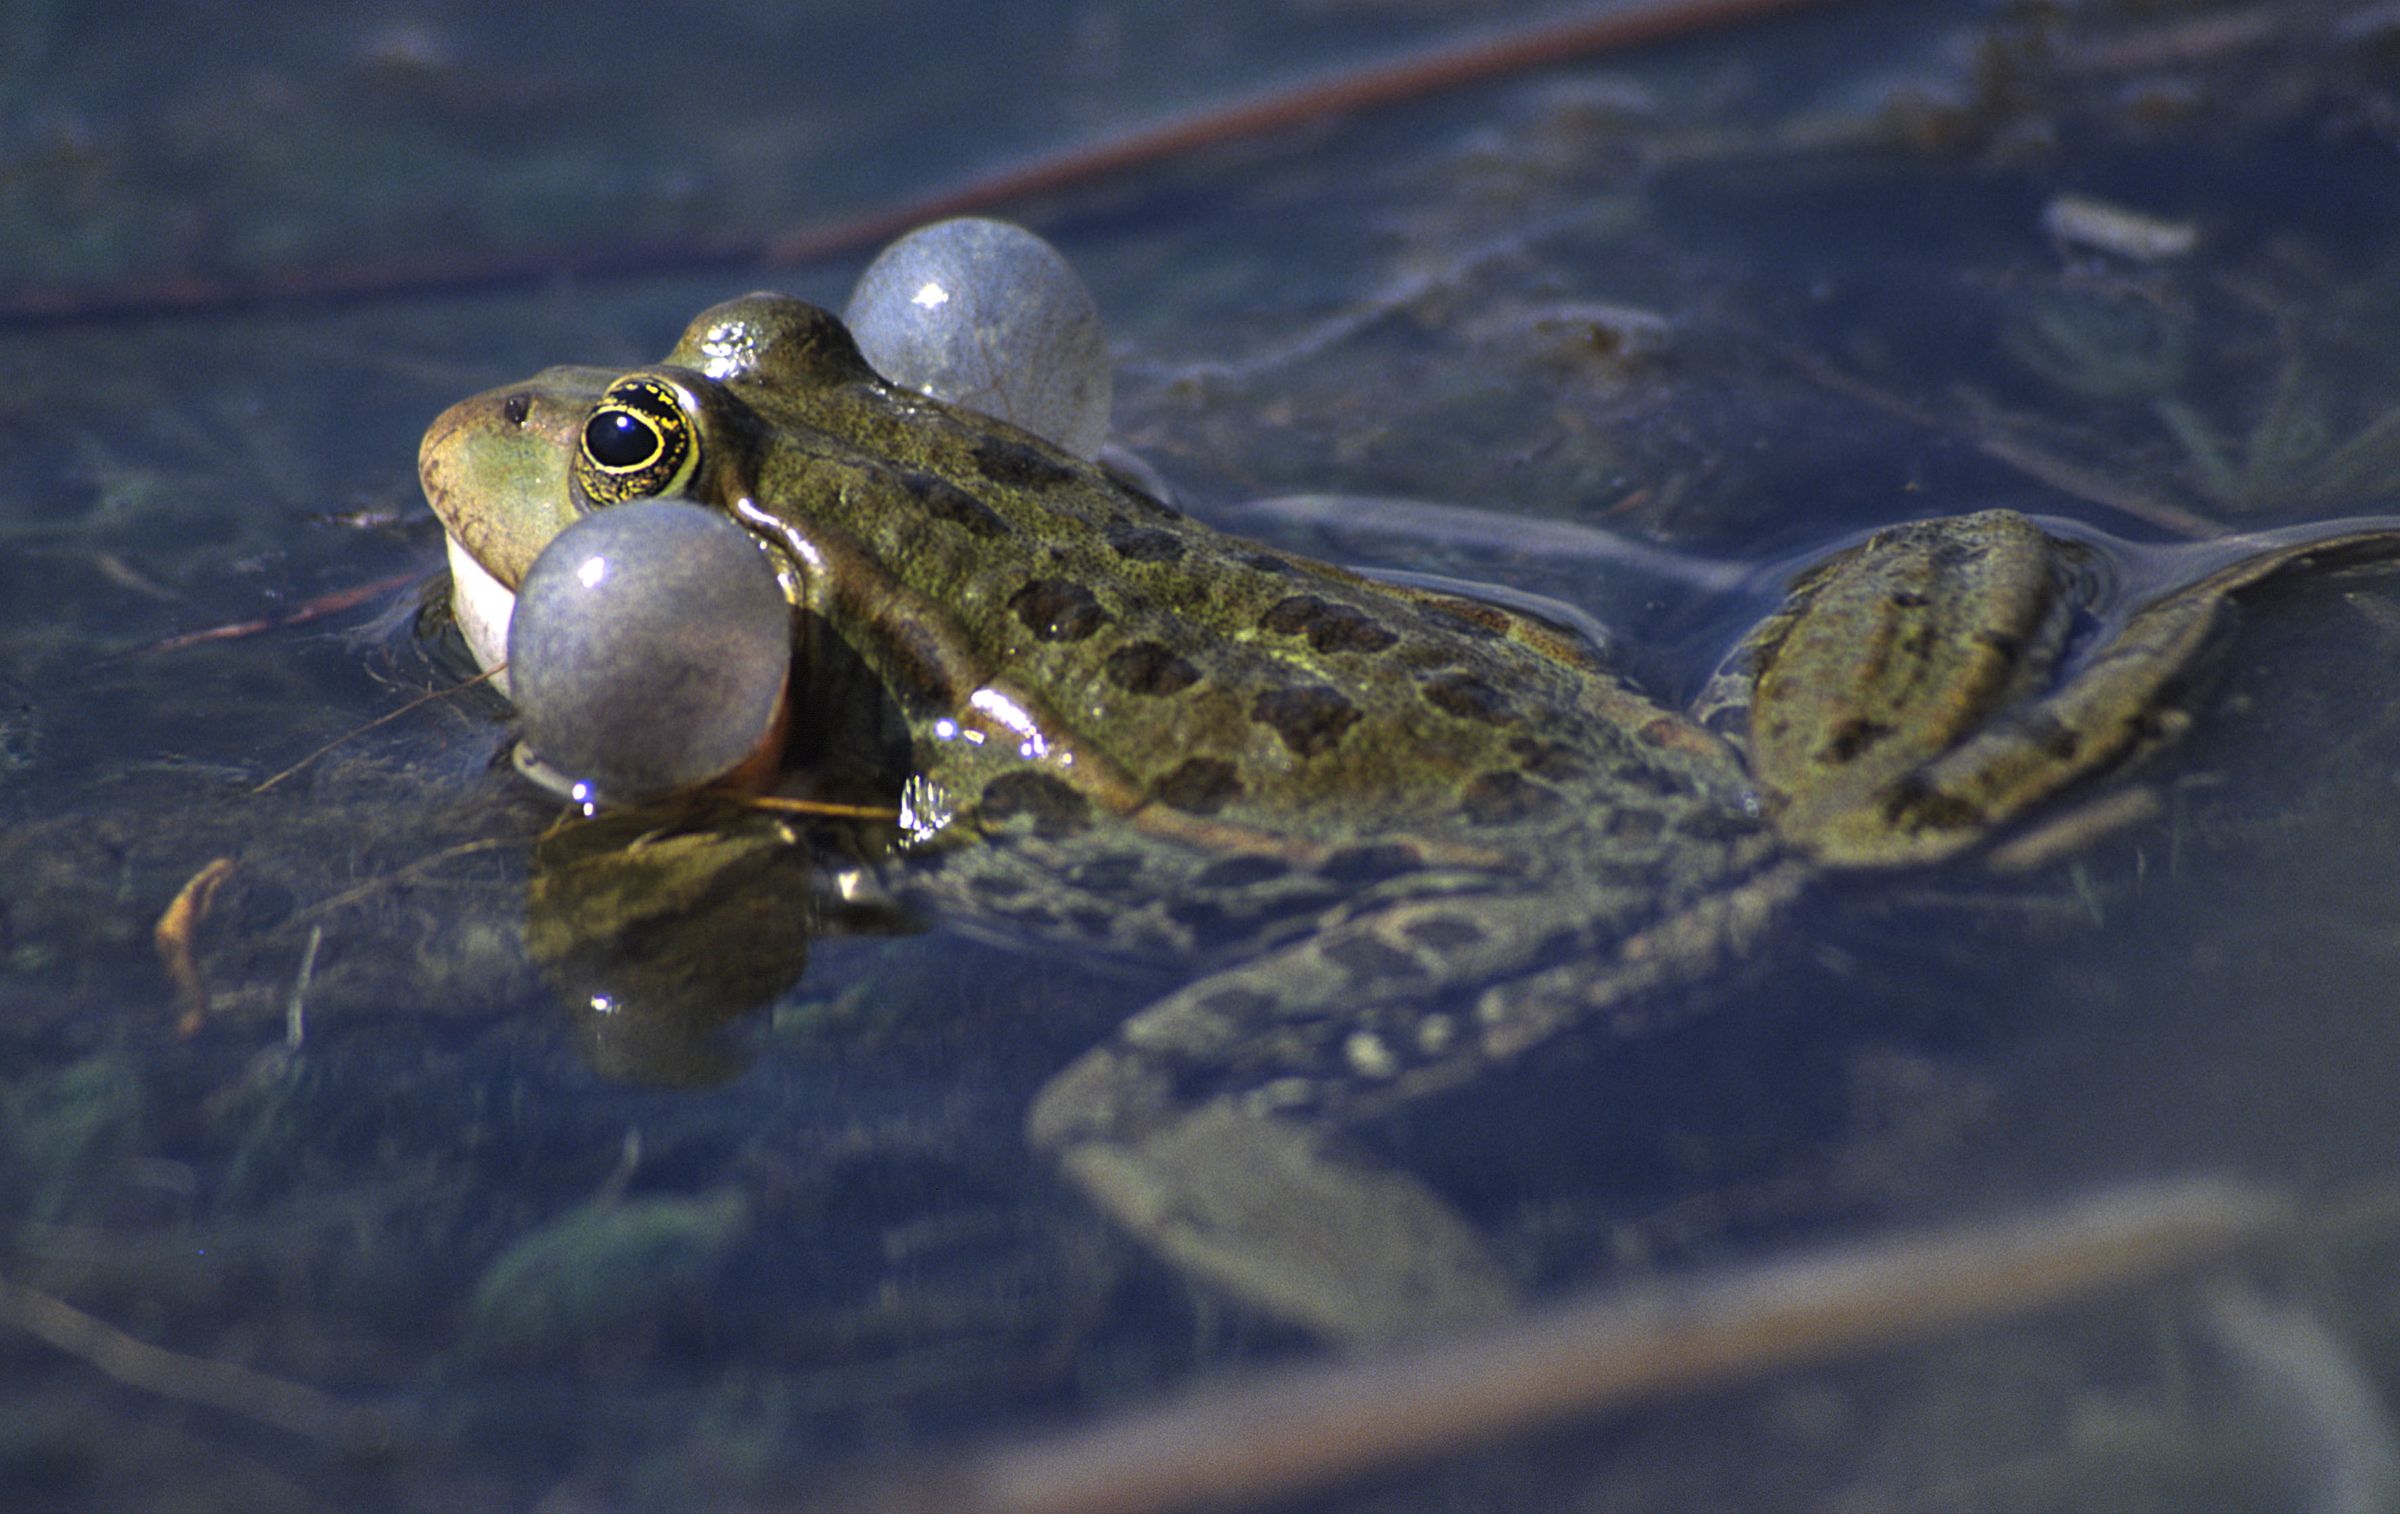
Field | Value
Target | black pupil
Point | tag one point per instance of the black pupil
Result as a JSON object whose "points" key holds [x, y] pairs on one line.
{"points": [[616, 439]]}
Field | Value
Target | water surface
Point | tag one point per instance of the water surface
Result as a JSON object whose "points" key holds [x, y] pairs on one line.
{"points": [[1738, 299]]}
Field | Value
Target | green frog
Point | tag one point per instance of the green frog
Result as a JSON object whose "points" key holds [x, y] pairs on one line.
{"points": [[1410, 836]]}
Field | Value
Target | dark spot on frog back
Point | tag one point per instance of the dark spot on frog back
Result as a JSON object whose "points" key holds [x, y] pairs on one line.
{"points": [[1469, 698], [1019, 465], [1850, 739], [1309, 717], [1199, 785], [944, 501], [1329, 627], [1057, 609], [1546, 757], [1149, 667], [1143, 543], [1055, 810]]}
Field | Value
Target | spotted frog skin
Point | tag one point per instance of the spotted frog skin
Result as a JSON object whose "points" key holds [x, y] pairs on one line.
{"points": [[1411, 837]]}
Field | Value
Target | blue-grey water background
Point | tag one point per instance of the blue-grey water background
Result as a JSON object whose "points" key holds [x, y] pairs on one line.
{"points": [[1742, 296]]}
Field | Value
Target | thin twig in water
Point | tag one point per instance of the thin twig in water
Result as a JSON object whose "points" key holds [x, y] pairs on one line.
{"points": [[394, 879], [295, 1007], [316, 609], [2073, 832], [234, 1389], [1271, 1437], [386, 717]]}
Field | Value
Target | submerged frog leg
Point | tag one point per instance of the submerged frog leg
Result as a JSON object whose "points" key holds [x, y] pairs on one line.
{"points": [[1902, 705], [1201, 1126], [1260, 1207], [1208, 1126]]}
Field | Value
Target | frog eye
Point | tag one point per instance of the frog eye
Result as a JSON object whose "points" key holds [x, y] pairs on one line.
{"points": [[989, 316], [638, 444], [649, 649]]}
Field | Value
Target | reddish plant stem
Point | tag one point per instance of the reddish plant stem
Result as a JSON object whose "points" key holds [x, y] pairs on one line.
{"points": [[1371, 87], [331, 603]]}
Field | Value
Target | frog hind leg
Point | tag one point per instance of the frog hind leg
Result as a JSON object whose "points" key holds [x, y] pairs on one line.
{"points": [[1939, 643]]}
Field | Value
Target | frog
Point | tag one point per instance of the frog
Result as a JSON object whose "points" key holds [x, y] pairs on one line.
{"points": [[1407, 837]]}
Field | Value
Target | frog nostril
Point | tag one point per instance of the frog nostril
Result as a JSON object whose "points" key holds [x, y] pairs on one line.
{"points": [[516, 407]]}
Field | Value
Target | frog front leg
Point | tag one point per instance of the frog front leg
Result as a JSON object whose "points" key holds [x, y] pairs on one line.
{"points": [[1210, 1125], [1908, 699], [1205, 1126]]}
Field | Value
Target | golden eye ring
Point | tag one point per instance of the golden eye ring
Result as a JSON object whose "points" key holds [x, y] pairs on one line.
{"points": [[638, 444]]}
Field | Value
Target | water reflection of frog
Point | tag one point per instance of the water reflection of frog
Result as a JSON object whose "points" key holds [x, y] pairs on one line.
{"points": [[1414, 835]]}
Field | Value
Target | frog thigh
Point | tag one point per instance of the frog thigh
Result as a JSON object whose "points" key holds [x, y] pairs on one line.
{"points": [[1986, 746], [2122, 701]]}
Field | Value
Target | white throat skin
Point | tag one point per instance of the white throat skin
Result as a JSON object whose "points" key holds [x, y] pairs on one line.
{"points": [[481, 605]]}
